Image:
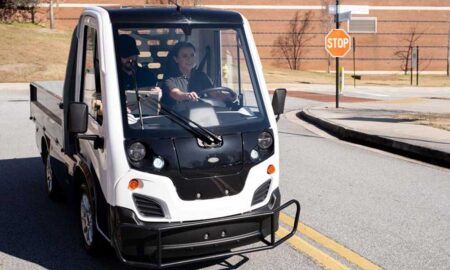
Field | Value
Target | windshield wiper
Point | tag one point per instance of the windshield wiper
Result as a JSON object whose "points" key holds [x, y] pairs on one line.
{"points": [[203, 134], [200, 132], [138, 98]]}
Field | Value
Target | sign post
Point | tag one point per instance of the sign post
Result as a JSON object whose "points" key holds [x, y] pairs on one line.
{"points": [[341, 79], [337, 43], [337, 58], [417, 66], [354, 61], [413, 61]]}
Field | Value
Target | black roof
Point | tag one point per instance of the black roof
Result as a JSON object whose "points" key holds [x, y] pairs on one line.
{"points": [[170, 15]]}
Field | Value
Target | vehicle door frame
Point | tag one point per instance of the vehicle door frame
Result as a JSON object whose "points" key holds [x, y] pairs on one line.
{"points": [[94, 158]]}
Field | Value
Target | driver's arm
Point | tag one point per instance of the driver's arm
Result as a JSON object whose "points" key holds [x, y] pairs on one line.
{"points": [[179, 95]]}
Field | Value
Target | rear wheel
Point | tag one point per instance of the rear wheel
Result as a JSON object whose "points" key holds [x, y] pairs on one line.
{"points": [[92, 240], [53, 190]]}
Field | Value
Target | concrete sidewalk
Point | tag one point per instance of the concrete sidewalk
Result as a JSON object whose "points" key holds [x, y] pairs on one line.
{"points": [[390, 125]]}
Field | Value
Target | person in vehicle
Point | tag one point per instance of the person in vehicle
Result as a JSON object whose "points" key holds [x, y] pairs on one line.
{"points": [[185, 82], [128, 53], [131, 75]]}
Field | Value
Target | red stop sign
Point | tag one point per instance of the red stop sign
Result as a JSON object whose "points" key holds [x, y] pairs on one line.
{"points": [[338, 43]]}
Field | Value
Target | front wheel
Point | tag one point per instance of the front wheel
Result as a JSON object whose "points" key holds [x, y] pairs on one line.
{"points": [[93, 243]]}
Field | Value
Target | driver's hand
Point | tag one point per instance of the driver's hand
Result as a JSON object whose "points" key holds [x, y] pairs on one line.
{"points": [[231, 96], [191, 96]]}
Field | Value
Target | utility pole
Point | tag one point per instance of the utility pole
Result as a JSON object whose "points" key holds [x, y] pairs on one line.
{"points": [[448, 52], [52, 19], [354, 61], [337, 58], [417, 66], [412, 63]]}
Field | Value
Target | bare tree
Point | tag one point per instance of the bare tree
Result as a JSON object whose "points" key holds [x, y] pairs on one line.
{"points": [[405, 54], [291, 45], [326, 23], [30, 7], [13, 10], [7, 11]]}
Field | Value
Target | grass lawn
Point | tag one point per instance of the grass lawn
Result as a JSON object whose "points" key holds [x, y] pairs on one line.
{"points": [[30, 52]]}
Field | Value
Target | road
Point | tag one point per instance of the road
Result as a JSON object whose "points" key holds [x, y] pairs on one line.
{"points": [[389, 211]]}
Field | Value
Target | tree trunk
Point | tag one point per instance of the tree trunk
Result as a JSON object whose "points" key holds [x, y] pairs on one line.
{"points": [[33, 13]]}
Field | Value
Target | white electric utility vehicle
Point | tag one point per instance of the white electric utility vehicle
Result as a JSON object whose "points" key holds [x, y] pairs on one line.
{"points": [[164, 182]]}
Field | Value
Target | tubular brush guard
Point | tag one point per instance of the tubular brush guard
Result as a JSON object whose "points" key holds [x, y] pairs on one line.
{"points": [[173, 232]]}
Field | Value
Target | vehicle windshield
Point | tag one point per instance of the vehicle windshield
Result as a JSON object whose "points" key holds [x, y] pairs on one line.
{"points": [[204, 75]]}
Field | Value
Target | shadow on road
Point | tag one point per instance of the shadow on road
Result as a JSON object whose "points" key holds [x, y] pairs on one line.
{"points": [[43, 232]]}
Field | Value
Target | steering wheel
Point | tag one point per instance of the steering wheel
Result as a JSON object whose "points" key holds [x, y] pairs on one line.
{"points": [[205, 92], [205, 97]]}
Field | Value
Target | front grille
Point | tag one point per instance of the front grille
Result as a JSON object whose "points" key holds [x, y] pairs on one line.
{"points": [[147, 207], [261, 193]]}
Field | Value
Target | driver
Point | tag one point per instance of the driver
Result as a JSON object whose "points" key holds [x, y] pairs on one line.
{"points": [[186, 82]]}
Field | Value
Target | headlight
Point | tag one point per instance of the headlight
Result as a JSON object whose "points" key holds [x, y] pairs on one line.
{"points": [[265, 140], [137, 151], [254, 154], [158, 163]]}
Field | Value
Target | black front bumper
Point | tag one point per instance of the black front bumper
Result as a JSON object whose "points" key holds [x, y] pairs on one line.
{"points": [[161, 245]]}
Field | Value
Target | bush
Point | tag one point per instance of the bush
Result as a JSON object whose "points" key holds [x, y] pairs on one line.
{"points": [[18, 10]]}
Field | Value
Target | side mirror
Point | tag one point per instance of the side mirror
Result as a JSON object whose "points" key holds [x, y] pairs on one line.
{"points": [[78, 117], [278, 100]]}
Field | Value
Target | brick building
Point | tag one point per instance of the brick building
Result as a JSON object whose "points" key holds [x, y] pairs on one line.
{"points": [[380, 35]]}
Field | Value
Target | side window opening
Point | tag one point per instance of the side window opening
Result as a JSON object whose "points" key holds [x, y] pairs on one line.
{"points": [[91, 88], [234, 69]]}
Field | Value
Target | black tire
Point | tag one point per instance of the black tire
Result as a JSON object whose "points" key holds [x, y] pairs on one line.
{"points": [[93, 242], [51, 184]]}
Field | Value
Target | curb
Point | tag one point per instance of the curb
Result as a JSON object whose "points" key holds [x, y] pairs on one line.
{"points": [[421, 153]]}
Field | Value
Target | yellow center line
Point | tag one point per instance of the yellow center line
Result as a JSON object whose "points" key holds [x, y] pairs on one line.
{"points": [[311, 251], [330, 244]]}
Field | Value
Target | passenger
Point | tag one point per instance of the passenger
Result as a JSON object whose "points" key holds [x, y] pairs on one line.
{"points": [[128, 53], [185, 83], [131, 74]]}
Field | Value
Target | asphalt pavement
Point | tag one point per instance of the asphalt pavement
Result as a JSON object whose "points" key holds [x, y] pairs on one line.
{"points": [[389, 210]]}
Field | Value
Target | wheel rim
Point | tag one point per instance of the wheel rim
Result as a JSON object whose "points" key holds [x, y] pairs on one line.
{"points": [[86, 219], [49, 174]]}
